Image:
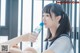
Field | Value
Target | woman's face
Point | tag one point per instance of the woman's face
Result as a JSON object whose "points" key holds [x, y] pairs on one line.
{"points": [[50, 21]]}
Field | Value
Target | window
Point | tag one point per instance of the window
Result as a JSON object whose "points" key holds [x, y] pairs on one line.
{"points": [[3, 39], [3, 13]]}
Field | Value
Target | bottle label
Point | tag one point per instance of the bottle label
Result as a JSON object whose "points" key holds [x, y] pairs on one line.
{"points": [[37, 30]]}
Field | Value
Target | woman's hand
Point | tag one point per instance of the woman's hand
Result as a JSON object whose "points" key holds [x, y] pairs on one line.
{"points": [[29, 37]]}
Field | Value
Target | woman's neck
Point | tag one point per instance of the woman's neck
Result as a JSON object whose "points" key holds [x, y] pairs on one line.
{"points": [[53, 32]]}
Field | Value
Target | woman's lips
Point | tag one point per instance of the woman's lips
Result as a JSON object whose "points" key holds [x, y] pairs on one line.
{"points": [[45, 23]]}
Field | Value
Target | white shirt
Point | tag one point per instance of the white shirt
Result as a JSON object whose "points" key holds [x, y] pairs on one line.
{"points": [[62, 45]]}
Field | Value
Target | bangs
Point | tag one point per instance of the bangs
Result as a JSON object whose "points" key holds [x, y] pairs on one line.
{"points": [[47, 9]]}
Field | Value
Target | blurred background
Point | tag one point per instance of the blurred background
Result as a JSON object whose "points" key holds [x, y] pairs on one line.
{"points": [[18, 17]]}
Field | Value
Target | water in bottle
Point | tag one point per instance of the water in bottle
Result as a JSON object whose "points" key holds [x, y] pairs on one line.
{"points": [[38, 29]]}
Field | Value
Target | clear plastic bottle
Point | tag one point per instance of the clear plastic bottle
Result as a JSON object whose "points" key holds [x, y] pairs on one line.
{"points": [[38, 29]]}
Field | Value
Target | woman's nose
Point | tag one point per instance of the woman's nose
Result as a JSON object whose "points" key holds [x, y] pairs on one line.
{"points": [[44, 19]]}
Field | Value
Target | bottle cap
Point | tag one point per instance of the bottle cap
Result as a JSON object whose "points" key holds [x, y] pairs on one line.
{"points": [[41, 24]]}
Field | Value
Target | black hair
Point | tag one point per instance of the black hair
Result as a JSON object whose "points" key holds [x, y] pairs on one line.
{"points": [[64, 26]]}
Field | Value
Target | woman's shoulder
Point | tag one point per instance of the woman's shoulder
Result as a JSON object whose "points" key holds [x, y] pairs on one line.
{"points": [[63, 41], [61, 44], [63, 37]]}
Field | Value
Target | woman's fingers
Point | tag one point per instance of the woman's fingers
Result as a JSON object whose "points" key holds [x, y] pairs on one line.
{"points": [[29, 37], [32, 37]]}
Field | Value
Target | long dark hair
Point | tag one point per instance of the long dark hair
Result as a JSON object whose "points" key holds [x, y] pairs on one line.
{"points": [[64, 27]]}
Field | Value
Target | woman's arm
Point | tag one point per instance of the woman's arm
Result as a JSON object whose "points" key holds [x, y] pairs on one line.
{"points": [[13, 41], [16, 40]]}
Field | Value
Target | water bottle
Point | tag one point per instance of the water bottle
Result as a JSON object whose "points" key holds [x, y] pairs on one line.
{"points": [[38, 29]]}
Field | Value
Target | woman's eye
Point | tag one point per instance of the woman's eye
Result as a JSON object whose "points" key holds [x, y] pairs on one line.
{"points": [[47, 15]]}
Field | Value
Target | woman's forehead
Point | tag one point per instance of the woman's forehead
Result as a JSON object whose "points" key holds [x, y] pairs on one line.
{"points": [[46, 14], [49, 14]]}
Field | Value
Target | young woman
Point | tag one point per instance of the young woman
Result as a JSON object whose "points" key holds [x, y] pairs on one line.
{"points": [[57, 23]]}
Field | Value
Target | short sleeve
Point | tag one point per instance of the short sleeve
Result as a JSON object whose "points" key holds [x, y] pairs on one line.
{"points": [[61, 45]]}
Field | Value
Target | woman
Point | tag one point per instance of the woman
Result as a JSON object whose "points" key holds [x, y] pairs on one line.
{"points": [[57, 22]]}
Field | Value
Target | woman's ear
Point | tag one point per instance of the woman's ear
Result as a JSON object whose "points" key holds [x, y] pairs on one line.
{"points": [[58, 18]]}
